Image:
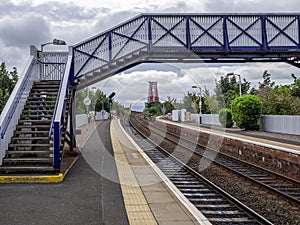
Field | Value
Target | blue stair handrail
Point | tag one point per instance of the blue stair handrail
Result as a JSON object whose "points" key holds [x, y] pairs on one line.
{"points": [[59, 113], [11, 113]]}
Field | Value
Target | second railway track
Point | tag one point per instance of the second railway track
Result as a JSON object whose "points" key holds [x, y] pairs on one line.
{"points": [[285, 187]]}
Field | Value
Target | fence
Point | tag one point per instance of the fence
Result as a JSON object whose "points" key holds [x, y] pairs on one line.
{"points": [[285, 124]]}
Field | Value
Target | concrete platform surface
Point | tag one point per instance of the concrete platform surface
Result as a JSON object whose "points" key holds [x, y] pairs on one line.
{"points": [[146, 189]]}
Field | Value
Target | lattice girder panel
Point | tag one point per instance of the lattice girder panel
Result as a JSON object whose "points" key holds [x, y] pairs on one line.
{"points": [[244, 31], [91, 55], [130, 38], [282, 31], [168, 31], [206, 31]]}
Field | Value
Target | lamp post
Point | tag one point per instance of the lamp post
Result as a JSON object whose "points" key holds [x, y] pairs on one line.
{"points": [[240, 81], [200, 101], [54, 42]]}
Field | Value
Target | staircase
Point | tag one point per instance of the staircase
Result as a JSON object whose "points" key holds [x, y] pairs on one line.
{"points": [[30, 150]]}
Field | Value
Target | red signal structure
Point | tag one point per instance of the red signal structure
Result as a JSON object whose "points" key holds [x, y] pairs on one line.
{"points": [[153, 92]]}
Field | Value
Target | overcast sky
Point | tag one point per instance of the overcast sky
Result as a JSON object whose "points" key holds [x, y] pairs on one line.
{"points": [[32, 22]]}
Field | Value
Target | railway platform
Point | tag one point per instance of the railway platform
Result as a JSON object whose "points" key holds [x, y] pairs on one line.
{"points": [[285, 142], [149, 197]]}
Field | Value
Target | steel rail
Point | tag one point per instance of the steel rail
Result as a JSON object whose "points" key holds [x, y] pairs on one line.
{"points": [[285, 182], [258, 218]]}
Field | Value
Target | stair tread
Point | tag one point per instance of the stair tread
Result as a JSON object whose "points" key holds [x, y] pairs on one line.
{"points": [[30, 145], [35, 121], [38, 94], [39, 102], [26, 116], [47, 110], [28, 152], [31, 138], [33, 126], [31, 132], [25, 169], [45, 159]]}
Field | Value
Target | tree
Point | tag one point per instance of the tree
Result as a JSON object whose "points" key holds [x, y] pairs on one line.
{"points": [[8, 80], [267, 83], [246, 111], [227, 89], [155, 108], [209, 102], [295, 86], [225, 117], [191, 102], [264, 89], [119, 109], [282, 102], [80, 95], [97, 99]]}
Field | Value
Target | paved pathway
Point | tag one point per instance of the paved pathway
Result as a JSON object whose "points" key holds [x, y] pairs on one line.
{"points": [[84, 198]]}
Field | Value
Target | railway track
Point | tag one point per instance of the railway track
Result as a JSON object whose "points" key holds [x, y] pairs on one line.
{"points": [[216, 205], [285, 187]]}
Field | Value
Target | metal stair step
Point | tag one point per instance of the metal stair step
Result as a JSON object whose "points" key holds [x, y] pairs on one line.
{"points": [[27, 152], [44, 91], [28, 160], [41, 106], [32, 132], [35, 116], [34, 94], [39, 102], [29, 145], [26, 169], [35, 121], [47, 86], [32, 126], [41, 99], [29, 138], [42, 82], [36, 111]]}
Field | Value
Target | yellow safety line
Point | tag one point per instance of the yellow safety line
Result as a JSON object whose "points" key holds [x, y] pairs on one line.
{"points": [[136, 205], [32, 179]]}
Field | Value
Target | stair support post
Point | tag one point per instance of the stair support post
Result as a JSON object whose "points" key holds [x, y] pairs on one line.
{"points": [[73, 119], [56, 158]]}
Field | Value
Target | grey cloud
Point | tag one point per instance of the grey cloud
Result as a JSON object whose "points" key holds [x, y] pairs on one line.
{"points": [[23, 31], [251, 6], [113, 19], [179, 7], [57, 11]]}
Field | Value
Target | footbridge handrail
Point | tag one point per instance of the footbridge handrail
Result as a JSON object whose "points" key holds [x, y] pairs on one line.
{"points": [[15, 104], [59, 112]]}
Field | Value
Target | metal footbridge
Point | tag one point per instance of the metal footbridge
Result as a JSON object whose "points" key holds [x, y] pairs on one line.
{"points": [[178, 38]]}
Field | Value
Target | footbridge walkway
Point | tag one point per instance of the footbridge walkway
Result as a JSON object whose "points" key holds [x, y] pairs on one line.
{"points": [[33, 124]]}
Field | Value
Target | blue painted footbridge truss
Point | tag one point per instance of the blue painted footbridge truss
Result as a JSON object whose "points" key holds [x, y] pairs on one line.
{"points": [[189, 38], [178, 38]]}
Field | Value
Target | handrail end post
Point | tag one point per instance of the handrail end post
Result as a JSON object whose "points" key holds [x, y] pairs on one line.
{"points": [[56, 159]]}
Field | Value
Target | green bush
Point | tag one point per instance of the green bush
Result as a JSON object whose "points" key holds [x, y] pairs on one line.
{"points": [[246, 111], [225, 117]]}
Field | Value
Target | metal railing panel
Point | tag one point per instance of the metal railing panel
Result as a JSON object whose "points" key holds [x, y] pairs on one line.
{"points": [[11, 113], [53, 65], [60, 111]]}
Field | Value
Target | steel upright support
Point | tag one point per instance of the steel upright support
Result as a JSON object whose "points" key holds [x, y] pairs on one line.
{"points": [[56, 160], [72, 121]]}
